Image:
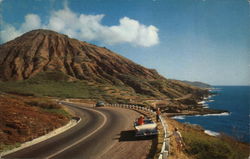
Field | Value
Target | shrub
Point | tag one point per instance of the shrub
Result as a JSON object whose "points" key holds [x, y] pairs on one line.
{"points": [[44, 104]]}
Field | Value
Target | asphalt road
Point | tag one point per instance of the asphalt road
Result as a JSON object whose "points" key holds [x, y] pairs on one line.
{"points": [[93, 136]]}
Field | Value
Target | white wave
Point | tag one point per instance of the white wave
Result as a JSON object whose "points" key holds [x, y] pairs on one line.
{"points": [[210, 100], [202, 102], [179, 117], [211, 133], [207, 97], [205, 106], [220, 114], [198, 115], [212, 89]]}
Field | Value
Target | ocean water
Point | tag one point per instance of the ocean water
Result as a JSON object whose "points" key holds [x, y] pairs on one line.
{"points": [[235, 99]]}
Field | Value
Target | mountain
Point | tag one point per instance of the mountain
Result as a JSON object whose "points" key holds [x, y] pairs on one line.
{"points": [[44, 50], [198, 84], [41, 51]]}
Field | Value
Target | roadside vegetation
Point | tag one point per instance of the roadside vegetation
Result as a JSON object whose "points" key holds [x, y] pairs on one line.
{"points": [[199, 145], [24, 118], [6, 147], [202, 146], [48, 106]]}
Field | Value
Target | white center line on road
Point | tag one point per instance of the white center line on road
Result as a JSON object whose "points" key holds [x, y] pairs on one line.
{"points": [[82, 139]]}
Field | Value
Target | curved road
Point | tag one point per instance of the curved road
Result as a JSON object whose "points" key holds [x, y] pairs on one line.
{"points": [[93, 136]]}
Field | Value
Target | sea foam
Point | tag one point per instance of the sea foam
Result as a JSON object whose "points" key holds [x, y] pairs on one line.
{"points": [[211, 133], [179, 117], [210, 100], [202, 102], [220, 114]]}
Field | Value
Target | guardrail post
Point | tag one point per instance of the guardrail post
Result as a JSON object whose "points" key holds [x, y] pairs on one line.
{"points": [[167, 147], [160, 157], [165, 154]]}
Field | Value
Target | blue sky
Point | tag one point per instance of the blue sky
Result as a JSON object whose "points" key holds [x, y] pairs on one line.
{"points": [[196, 40]]}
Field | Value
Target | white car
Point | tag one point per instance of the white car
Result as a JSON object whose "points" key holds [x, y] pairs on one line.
{"points": [[149, 128]]}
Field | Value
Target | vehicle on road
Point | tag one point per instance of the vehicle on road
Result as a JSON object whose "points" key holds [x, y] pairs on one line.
{"points": [[147, 128], [100, 104]]}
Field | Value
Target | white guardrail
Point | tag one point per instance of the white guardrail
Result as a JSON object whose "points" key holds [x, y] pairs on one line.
{"points": [[165, 146]]}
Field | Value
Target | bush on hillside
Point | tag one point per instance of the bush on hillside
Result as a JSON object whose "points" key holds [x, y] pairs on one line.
{"points": [[201, 146], [43, 104]]}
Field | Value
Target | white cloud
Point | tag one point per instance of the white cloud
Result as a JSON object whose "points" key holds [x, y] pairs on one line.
{"points": [[1, 1], [132, 31], [32, 21], [8, 33], [88, 27]]}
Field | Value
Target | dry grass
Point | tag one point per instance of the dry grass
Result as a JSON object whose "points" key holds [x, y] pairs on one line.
{"points": [[202, 146]]}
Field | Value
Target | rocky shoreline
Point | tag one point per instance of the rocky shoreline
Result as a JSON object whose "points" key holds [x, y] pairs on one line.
{"points": [[195, 106]]}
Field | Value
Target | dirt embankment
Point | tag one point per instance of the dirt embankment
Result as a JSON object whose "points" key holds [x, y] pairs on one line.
{"points": [[21, 122]]}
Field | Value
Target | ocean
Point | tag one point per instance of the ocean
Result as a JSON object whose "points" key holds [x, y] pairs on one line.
{"points": [[235, 99]]}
